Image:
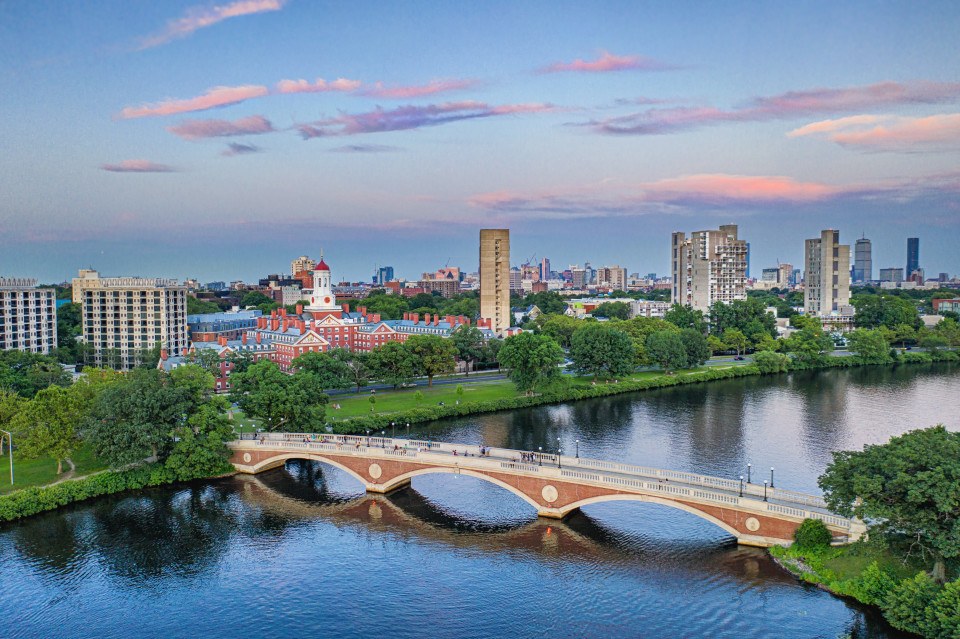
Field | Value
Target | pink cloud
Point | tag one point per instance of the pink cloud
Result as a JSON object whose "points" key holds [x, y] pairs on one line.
{"points": [[235, 148], [744, 188], [196, 18], [320, 86], [198, 129], [407, 92], [137, 166], [413, 117], [213, 98], [784, 106], [608, 62], [889, 133]]}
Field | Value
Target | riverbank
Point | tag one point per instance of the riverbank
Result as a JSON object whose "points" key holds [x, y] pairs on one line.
{"points": [[582, 389]]}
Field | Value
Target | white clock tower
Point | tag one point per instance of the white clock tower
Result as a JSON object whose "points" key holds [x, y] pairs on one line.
{"points": [[322, 297]]}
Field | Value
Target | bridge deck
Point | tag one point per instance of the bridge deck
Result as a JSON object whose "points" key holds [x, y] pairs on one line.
{"points": [[627, 477]]}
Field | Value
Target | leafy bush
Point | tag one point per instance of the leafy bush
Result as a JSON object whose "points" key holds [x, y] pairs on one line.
{"points": [[944, 613], [812, 534], [907, 607], [873, 586], [770, 362]]}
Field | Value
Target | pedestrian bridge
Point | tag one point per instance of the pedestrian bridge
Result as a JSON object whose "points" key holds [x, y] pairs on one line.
{"points": [[554, 485]]}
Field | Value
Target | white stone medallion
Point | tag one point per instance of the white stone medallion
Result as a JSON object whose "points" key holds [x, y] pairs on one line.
{"points": [[549, 494], [752, 524], [375, 471], [246, 458]]}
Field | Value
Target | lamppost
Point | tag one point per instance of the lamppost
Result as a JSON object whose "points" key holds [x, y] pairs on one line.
{"points": [[558, 452], [393, 425], [764, 490], [749, 467], [578, 449], [540, 456], [10, 440], [741, 485], [408, 430], [383, 439], [368, 438], [771, 477]]}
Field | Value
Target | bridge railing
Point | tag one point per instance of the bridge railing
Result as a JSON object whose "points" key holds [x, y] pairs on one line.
{"points": [[581, 468]]}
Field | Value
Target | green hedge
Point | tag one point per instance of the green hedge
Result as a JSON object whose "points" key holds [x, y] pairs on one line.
{"points": [[37, 499], [359, 425]]}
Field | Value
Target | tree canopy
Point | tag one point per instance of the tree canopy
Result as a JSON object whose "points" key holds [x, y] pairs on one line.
{"points": [[600, 349], [533, 360], [666, 348], [292, 403], [434, 355]]}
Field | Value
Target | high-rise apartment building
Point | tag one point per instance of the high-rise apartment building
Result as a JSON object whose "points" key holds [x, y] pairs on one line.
{"points": [[709, 266], [302, 263], [123, 317], [516, 281], [827, 277], [863, 261], [495, 278], [28, 316], [614, 277], [913, 255]]}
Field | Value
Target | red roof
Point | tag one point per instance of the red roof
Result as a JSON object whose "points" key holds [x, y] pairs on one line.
{"points": [[322, 266]]}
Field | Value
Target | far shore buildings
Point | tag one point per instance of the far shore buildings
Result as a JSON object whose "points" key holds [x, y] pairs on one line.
{"points": [[28, 316], [709, 266], [827, 275], [123, 317], [495, 279]]}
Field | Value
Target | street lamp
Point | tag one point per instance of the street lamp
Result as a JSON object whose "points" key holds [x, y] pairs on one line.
{"points": [[383, 439], [368, 438], [10, 438], [749, 467], [559, 454], [393, 425], [741, 485], [578, 449], [408, 430], [540, 456], [764, 490], [771, 477]]}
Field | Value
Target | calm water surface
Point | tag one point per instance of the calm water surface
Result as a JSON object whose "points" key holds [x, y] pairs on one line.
{"points": [[302, 551]]}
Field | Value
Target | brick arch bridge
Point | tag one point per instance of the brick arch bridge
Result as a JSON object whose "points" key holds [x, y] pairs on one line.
{"points": [[554, 486]]}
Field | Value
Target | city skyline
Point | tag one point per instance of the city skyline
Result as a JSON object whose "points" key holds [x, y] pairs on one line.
{"points": [[191, 140]]}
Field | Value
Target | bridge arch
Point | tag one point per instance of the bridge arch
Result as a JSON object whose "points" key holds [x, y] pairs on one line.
{"points": [[280, 458], [400, 480], [652, 499]]}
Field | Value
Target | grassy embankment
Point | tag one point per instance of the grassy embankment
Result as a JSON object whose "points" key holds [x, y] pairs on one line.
{"points": [[43, 471]]}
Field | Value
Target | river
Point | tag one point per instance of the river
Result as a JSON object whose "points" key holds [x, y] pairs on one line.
{"points": [[302, 551]]}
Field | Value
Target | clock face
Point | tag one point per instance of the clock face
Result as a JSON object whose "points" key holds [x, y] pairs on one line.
{"points": [[326, 300]]}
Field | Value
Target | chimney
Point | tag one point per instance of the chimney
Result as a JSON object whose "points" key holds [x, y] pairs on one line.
{"points": [[163, 354], [303, 328], [436, 320], [376, 317], [346, 308], [259, 337], [449, 319], [274, 324], [406, 316], [223, 340], [426, 318], [243, 338], [273, 313], [466, 321], [415, 318], [299, 309], [285, 324]]}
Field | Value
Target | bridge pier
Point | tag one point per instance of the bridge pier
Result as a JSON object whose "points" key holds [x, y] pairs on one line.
{"points": [[555, 513], [384, 489]]}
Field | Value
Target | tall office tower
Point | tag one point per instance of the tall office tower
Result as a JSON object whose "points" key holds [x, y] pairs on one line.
{"points": [[545, 269], [28, 316], [709, 266], [892, 274], [302, 263], [827, 277], [124, 317], [495, 278], [384, 275], [913, 255], [785, 275], [863, 261]]}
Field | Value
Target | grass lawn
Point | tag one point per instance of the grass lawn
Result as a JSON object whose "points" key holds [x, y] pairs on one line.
{"points": [[851, 561], [38, 472]]}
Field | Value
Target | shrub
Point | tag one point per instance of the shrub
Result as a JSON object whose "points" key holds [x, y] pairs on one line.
{"points": [[873, 586], [812, 534], [770, 362], [944, 613], [907, 607]]}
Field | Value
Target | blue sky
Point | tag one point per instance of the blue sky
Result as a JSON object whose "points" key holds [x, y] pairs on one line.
{"points": [[221, 140]]}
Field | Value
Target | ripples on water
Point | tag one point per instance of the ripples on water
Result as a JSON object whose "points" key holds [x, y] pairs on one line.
{"points": [[302, 551]]}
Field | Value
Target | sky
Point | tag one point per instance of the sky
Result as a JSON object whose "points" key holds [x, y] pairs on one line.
{"points": [[221, 140]]}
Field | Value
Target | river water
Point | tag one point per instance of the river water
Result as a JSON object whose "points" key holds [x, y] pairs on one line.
{"points": [[303, 552]]}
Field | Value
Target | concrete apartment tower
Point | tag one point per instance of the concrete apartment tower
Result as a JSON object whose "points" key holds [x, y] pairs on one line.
{"points": [[709, 266], [863, 261], [827, 277], [495, 278]]}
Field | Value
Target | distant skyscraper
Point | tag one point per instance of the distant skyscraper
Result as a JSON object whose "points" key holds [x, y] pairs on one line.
{"points": [[302, 263], [545, 268], [495, 278], [891, 274], [827, 278], [384, 275], [708, 267], [863, 261], [913, 255]]}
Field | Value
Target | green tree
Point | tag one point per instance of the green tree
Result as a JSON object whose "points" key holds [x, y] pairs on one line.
{"points": [[666, 348], [28, 373], [602, 350], [948, 329], [533, 360], [771, 362], [812, 534], [809, 344], [560, 327], [69, 327], [613, 310], [291, 403], [198, 307], [418, 397], [907, 606], [48, 425], [387, 306], [909, 486], [196, 381], [373, 403], [358, 366], [549, 302], [639, 328], [735, 340], [683, 316], [696, 347], [459, 392], [134, 419], [206, 358], [199, 448], [905, 333], [944, 612], [331, 372], [255, 298], [393, 364], [435, 355], [468, 340], [869, 345], [873, 311]]}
